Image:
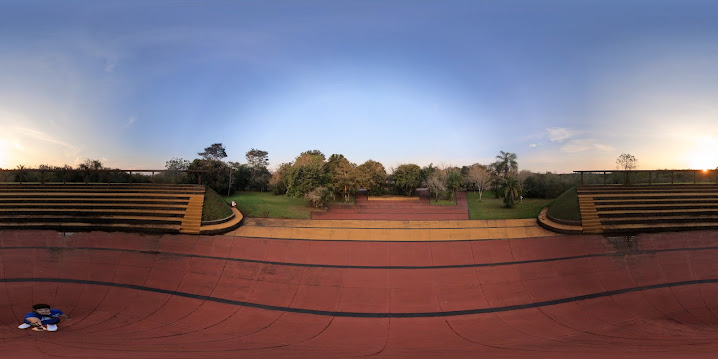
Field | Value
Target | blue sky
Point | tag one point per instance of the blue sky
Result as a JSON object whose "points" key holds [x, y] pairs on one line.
{"points": [[566, 85]]}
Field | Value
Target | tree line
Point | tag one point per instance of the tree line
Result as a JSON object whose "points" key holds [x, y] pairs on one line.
{"points": [[319, 178]]}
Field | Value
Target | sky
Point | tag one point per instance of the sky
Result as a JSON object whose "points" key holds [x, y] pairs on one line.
{"points": [[565, 85]]}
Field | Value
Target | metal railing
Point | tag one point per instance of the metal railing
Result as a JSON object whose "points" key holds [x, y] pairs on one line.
{"points": [[631, 174], [106, 173]]}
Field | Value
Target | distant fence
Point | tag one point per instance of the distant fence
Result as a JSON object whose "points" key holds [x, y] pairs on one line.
{"points": [[651, 176], [104, 175]]}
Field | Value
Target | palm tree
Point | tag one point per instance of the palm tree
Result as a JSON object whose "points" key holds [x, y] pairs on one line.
{"points": [[506, 163], [511, 189]]}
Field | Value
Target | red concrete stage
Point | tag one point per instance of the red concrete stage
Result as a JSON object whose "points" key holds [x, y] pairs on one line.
{"points": [[175, 296], [419, 210]]}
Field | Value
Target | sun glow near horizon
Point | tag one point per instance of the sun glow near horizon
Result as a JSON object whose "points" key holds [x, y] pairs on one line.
{"points": [[704, 155], [4, 153]]}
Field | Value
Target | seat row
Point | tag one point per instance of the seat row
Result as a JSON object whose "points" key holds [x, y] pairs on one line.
{"points": [[645, 208], [71, 207]]}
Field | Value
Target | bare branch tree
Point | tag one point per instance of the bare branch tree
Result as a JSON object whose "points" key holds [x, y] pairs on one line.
{"points": [[480, 177], [437, 183], [626, 162]]}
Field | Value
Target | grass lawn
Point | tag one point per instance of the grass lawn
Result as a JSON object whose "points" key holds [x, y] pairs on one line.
{"points": [[214, 207], [263, 204], [566, 206], [267, 204], [493, 208]]}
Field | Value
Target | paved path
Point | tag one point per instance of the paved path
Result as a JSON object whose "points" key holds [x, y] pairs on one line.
{"points": [[398, 209], [360, 230], [190, 296]]}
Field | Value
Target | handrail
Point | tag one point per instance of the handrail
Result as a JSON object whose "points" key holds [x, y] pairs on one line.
{"points": [[99, 171], [628, 172]]}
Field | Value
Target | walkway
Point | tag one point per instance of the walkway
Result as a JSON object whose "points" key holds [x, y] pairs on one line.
{"points": [[192, 296], [398, 209], [402, 231]]}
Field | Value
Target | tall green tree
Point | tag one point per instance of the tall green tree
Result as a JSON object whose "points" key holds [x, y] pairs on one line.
{"points": [[511, 189], [372, 176], [344, 178], [453, 181], [240, 176], [506, 164], [407, 178], [427, 171], [217, 175], [175, 166], [317, 153], [258, 161], [215, 152], [306, 173], [257, 158], [91, 168], [91, 164], [278, 182]]}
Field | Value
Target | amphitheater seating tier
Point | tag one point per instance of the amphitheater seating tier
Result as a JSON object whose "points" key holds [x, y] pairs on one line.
{"points": [[647, 208], [125, 207]]}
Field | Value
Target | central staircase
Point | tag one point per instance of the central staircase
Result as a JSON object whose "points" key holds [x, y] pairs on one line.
{"points": [[404, 209]]}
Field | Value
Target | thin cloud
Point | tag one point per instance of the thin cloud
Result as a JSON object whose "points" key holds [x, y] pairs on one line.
{"points": [[110, 65], [37, 135], [603, 148], [583, 145], [559, 134], [131, 121]]}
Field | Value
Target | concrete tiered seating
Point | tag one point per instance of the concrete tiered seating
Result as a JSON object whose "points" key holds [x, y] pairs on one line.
{"points": [[645, 208], [127, 207], [404, 209]]}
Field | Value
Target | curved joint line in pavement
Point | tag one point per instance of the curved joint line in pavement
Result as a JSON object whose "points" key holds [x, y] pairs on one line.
{"points": [[344, 266], [367, 314]]}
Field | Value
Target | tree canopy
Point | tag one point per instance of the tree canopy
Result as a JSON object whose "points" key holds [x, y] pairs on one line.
{"points": [[306, 174], [257, 158], [215, 152], [506, 164], [478, 178], [372, 176], [407, 178], [626, 162], [177, 164], [343, 176]]}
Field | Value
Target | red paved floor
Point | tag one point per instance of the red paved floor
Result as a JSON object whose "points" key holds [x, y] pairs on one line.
{"points": [[174, 296], [398, 210]]}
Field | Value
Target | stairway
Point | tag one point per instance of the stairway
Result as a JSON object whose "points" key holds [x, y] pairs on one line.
{"points": [[589, 215], [397, 208], [192, 219]]}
